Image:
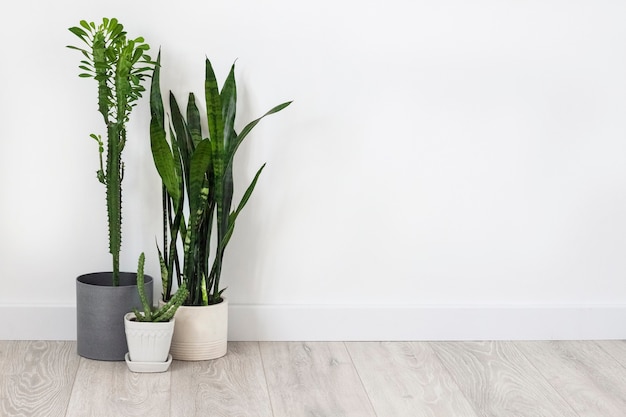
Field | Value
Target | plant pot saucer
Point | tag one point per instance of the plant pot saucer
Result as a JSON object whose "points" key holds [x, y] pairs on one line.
{"points": [[145, 367]]}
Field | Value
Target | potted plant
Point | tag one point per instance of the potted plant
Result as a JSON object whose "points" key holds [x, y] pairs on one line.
{"points": [[197, 177], [149, 332], [118, 64]]}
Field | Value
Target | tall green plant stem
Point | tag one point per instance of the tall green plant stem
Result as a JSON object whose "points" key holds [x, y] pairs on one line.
{"points": [[119, 65], [114, 198]]}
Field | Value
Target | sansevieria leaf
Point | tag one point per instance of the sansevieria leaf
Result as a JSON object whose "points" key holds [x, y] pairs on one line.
{"points": [[246, 130], [228, 98], [198, 166], [233, 216], [161, 152], [193, 120]]}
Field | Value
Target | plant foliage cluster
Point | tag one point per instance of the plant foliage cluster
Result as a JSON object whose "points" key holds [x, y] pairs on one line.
{"points": [[156, 314], [198, 171]]}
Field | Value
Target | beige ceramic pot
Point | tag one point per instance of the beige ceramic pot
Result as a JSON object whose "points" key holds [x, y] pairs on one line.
{"points": [[201, 332]]}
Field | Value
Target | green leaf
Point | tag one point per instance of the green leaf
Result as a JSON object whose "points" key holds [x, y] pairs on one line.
{"points": [[198, 166], [115, 25], [244, 200], [164, 160], [213, 104], [246, 130], [216, 127], [80, 33], [193, 120], [156, 101], [228, 98], [180, 175], [165, 278], [86, 25], [249, 190], [183, 139], [203, 292], [161, 152], [78, 49]]}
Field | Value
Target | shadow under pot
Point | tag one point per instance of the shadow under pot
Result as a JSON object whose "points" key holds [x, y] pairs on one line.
{"points": [[100, 310]]}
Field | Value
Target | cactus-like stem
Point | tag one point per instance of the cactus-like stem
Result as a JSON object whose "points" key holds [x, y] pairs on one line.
{"points": [[167, 311], [163, 313], [147, 305], [114, 198], [119, 65]]}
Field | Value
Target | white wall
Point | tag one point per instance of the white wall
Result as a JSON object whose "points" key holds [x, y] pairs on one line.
{"points": [[437, 154]]}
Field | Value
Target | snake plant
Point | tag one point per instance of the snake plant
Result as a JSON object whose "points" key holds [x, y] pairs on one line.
{"points": [[156, 314], [118, 64], [200, 171]]}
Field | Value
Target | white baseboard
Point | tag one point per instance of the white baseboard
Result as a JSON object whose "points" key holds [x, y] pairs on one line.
{"points": [[37, 322], [359, 323]]}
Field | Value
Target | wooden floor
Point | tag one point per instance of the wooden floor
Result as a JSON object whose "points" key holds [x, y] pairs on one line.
{"points": [[326, 379]]}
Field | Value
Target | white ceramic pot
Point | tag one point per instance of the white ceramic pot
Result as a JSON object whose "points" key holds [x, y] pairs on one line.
{"points": [[148, 342], [201, 332]]}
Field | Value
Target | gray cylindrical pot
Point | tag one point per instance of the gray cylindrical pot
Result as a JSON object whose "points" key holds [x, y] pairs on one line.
{"points": [[100, 310]]}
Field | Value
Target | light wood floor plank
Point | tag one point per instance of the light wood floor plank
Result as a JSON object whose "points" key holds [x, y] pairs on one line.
{"points": [[590, 380], [231, 386], [406, 379], [290, 379], [499, 381], [313, 379], [615, 348], [107, 389], [36, 377]]}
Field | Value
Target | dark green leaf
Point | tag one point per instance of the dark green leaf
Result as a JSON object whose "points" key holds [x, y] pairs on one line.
{"points": [[229, 108], [161, 152], [193, 120], [214, 113], [249, 127], [244, 200], [199, 164]]}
